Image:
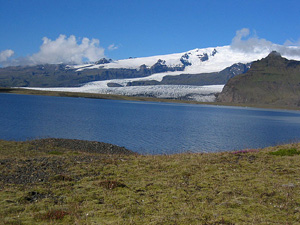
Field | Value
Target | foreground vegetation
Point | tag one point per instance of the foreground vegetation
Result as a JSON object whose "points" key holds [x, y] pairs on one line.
{"points": [[57, 181]]}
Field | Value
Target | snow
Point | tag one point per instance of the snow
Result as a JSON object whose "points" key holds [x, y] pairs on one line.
{"points": [[225, 57], [218, 59]]}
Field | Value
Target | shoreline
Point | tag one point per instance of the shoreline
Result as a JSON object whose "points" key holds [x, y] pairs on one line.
{"points": [[106, 148], [24, 91]]}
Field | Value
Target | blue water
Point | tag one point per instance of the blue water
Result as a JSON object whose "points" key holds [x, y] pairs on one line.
{"points": [[146, 127]]}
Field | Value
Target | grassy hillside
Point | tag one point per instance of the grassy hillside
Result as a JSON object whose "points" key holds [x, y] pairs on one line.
{"points": [[58, 181], [273, 80]]}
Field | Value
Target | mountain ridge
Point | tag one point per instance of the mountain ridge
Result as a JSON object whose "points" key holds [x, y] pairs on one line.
{"points": [[273, 80], [178, 75]]}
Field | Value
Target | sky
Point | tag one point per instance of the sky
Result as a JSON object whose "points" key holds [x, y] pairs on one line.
{"points": [[53, 31]]}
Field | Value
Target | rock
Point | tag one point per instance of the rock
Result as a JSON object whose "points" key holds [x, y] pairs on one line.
{"points": [[103, 61]]}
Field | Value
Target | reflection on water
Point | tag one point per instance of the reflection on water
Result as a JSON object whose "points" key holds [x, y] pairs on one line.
{"points": [[146, 127]]}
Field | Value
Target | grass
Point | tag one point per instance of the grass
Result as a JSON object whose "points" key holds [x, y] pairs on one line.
{"points": [[286, 152], [242, 187], [55, 153]]}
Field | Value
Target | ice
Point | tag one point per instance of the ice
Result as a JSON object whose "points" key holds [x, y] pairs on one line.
{"points": [[187, 92]]}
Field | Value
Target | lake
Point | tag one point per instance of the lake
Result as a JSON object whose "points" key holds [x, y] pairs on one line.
{"points": [[146, 127]]}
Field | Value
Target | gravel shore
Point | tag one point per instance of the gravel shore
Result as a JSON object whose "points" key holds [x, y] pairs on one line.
{"points": [[61, 155]]}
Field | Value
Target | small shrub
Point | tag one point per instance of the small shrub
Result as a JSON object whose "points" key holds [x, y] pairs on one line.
{"points": [[55, 153], [57, 214], [61, 177], [245, 151], [110, 184], [286, 152]]}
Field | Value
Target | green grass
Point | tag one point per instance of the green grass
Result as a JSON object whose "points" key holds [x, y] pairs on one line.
{"points": [[55, 153], [243, 187], [286, 152]]}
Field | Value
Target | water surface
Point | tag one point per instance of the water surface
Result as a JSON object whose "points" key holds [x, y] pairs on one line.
{"points": [[146, 127]]}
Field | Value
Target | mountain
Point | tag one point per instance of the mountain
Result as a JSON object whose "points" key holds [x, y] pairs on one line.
{"points": [[198, 74], [206, 62], [201, 79], [273, 80]]}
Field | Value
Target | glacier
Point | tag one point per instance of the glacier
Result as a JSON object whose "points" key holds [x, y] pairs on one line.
{"points": [[184, 92]]}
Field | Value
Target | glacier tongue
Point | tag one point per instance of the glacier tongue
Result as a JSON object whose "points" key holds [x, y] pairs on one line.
{"points": [[184, 92]]}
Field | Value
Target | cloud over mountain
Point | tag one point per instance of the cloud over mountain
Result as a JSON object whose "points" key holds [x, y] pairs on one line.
{"points": [[243, 41], [5, 55], [112, 47], [62, 50], [72, 50]]}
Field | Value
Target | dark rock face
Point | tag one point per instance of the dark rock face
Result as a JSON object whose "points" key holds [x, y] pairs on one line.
{"points": [[145, 70], [114, 85], [214, 52], [236, 69], [160, 66], [198, 79], [103, 61], [273, 80], [203, 57], [184, 60]]}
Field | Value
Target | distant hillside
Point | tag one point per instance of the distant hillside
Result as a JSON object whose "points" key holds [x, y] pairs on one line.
{"points": [[273, 80], [60, 75], [64, 76], [213, 78]]}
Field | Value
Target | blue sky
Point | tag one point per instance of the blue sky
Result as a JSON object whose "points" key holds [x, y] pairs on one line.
{"points": [[139, 28]]}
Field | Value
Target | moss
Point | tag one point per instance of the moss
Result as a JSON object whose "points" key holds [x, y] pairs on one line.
{"points": [[286, 152]]}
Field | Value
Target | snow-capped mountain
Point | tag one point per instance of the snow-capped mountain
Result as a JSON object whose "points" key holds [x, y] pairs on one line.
{"points": [[192, 62], [198, 67]]}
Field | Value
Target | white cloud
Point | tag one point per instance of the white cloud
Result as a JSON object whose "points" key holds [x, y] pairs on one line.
{"points": [[246, 43], [67, 50], [112, 47], [5, 55], [62, 50], [292, 43]]}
